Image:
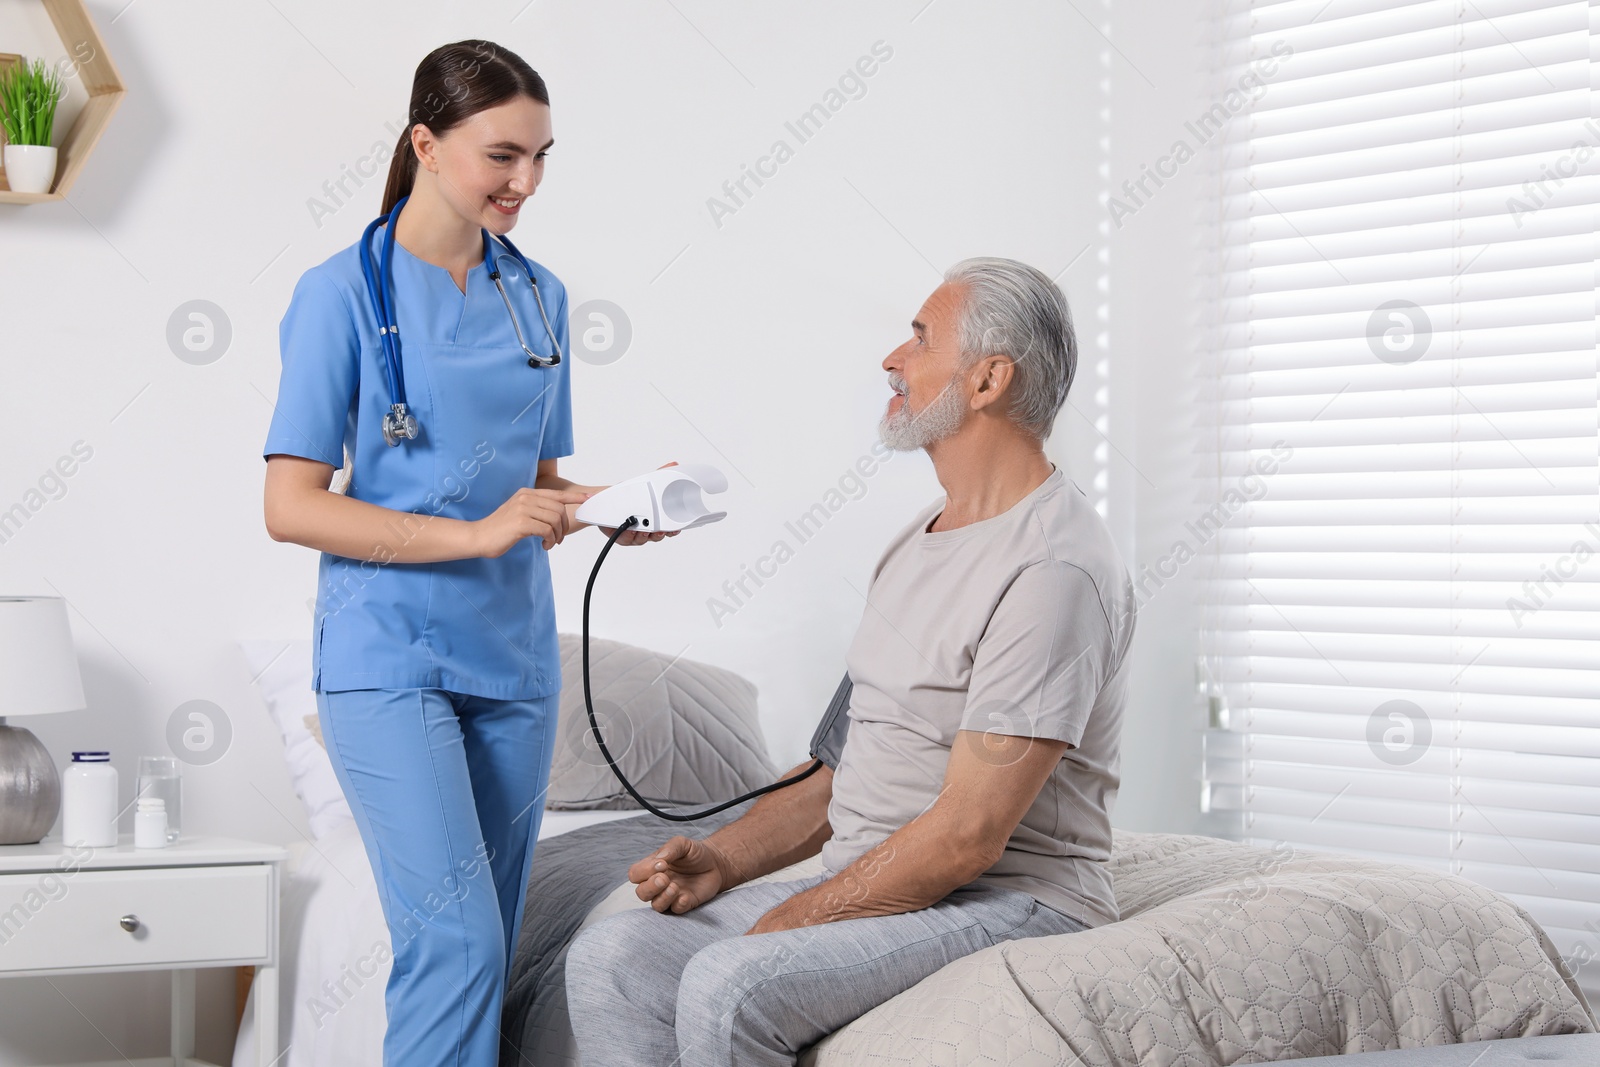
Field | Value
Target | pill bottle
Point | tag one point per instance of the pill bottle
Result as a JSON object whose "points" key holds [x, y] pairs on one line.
{"points": [[89, 801], [150, 823]]}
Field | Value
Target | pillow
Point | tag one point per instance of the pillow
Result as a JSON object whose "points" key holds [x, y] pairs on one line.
{"points": [[684, 733], [282, 673], [699, 740]]}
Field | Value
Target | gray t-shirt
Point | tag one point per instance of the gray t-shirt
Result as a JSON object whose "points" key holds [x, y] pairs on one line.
{"points": [[1018, 624]]}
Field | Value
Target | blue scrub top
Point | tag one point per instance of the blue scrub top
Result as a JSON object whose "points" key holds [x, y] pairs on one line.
{"points": [[480, 626]]}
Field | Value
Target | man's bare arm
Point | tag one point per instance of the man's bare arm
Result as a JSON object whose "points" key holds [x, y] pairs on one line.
{"points": [[990, 783], [782, 827]]}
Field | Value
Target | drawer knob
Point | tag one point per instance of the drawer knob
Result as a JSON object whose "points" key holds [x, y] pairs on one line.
{"points": [[129, 923]]}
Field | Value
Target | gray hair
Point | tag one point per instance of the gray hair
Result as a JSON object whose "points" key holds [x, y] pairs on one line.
{"points": [[1012, 309]]}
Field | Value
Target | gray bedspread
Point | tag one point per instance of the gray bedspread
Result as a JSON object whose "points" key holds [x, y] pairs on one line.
{"points": [[571, 873]]}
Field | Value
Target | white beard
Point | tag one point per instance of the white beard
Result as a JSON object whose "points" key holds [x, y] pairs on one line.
{"points": [[905, 430]]}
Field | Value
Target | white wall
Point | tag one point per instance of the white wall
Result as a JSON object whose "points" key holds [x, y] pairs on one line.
{"points": [[1157, 262], [756, 342]]}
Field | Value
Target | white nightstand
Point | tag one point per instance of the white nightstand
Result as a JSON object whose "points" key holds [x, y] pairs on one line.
{"points": [[199, 902]]}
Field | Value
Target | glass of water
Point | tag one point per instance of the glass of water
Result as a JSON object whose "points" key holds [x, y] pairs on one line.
{"points": [[158, 777]]}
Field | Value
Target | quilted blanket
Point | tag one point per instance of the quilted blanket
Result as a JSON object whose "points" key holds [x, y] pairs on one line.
{"points": [[1229, 953]]}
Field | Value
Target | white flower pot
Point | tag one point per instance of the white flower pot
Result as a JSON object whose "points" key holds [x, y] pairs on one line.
{"points": [[30, 168]]}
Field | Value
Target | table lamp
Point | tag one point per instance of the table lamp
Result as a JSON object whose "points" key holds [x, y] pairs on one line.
{"points": [[38, 675]]}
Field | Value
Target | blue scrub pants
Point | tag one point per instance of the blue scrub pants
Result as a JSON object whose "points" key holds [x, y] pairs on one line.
{"points": [[448, 791]]}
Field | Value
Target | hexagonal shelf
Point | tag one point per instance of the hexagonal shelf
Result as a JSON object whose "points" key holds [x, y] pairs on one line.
{"points": [[83, 49]]}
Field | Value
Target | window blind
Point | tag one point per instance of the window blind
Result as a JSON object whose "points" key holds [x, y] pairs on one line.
{"points": [[1399, 449]]}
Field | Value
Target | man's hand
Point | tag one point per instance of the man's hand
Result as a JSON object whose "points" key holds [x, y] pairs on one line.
{"points": [[681, 875], [785, 915], [854, 893], [990, 782]]}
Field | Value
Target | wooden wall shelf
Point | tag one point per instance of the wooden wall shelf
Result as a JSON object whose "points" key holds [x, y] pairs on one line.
{"points": [[80, 45]]}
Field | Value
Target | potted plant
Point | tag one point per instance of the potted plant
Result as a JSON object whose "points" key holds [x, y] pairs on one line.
{"points": [[28, 98]]}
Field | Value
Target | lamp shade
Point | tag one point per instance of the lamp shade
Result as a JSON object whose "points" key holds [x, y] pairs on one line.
{"points": [[38, 665]]}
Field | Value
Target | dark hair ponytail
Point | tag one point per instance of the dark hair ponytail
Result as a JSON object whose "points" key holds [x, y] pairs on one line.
{"points": [[452, 83]]}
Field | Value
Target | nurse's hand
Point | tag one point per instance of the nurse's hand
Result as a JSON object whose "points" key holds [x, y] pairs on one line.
{"points": [[681, 875], [540, 513], [637, 536]]}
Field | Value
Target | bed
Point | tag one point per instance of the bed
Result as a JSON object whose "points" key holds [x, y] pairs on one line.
{"points": [[1225, 953]]}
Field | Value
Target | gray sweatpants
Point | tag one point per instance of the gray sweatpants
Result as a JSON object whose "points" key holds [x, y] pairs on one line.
{"points": [[653, 989]]}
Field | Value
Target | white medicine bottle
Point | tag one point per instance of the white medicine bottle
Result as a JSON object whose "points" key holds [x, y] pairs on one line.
{"points": [[89, 801], [150, 823]]}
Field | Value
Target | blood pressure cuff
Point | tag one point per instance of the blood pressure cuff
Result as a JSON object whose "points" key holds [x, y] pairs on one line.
{"points": [[828, 742]]}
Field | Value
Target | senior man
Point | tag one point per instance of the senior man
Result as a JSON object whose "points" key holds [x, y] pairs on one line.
{"points": [[970, 801]]}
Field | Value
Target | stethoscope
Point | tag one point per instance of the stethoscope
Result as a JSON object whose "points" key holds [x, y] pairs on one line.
{"points": [[398, 422]]}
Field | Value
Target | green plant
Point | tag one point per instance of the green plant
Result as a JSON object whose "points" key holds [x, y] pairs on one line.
{"points": [[28, 98]]}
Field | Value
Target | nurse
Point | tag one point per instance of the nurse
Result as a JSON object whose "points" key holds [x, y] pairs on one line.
{"points": [[435, 659]]}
